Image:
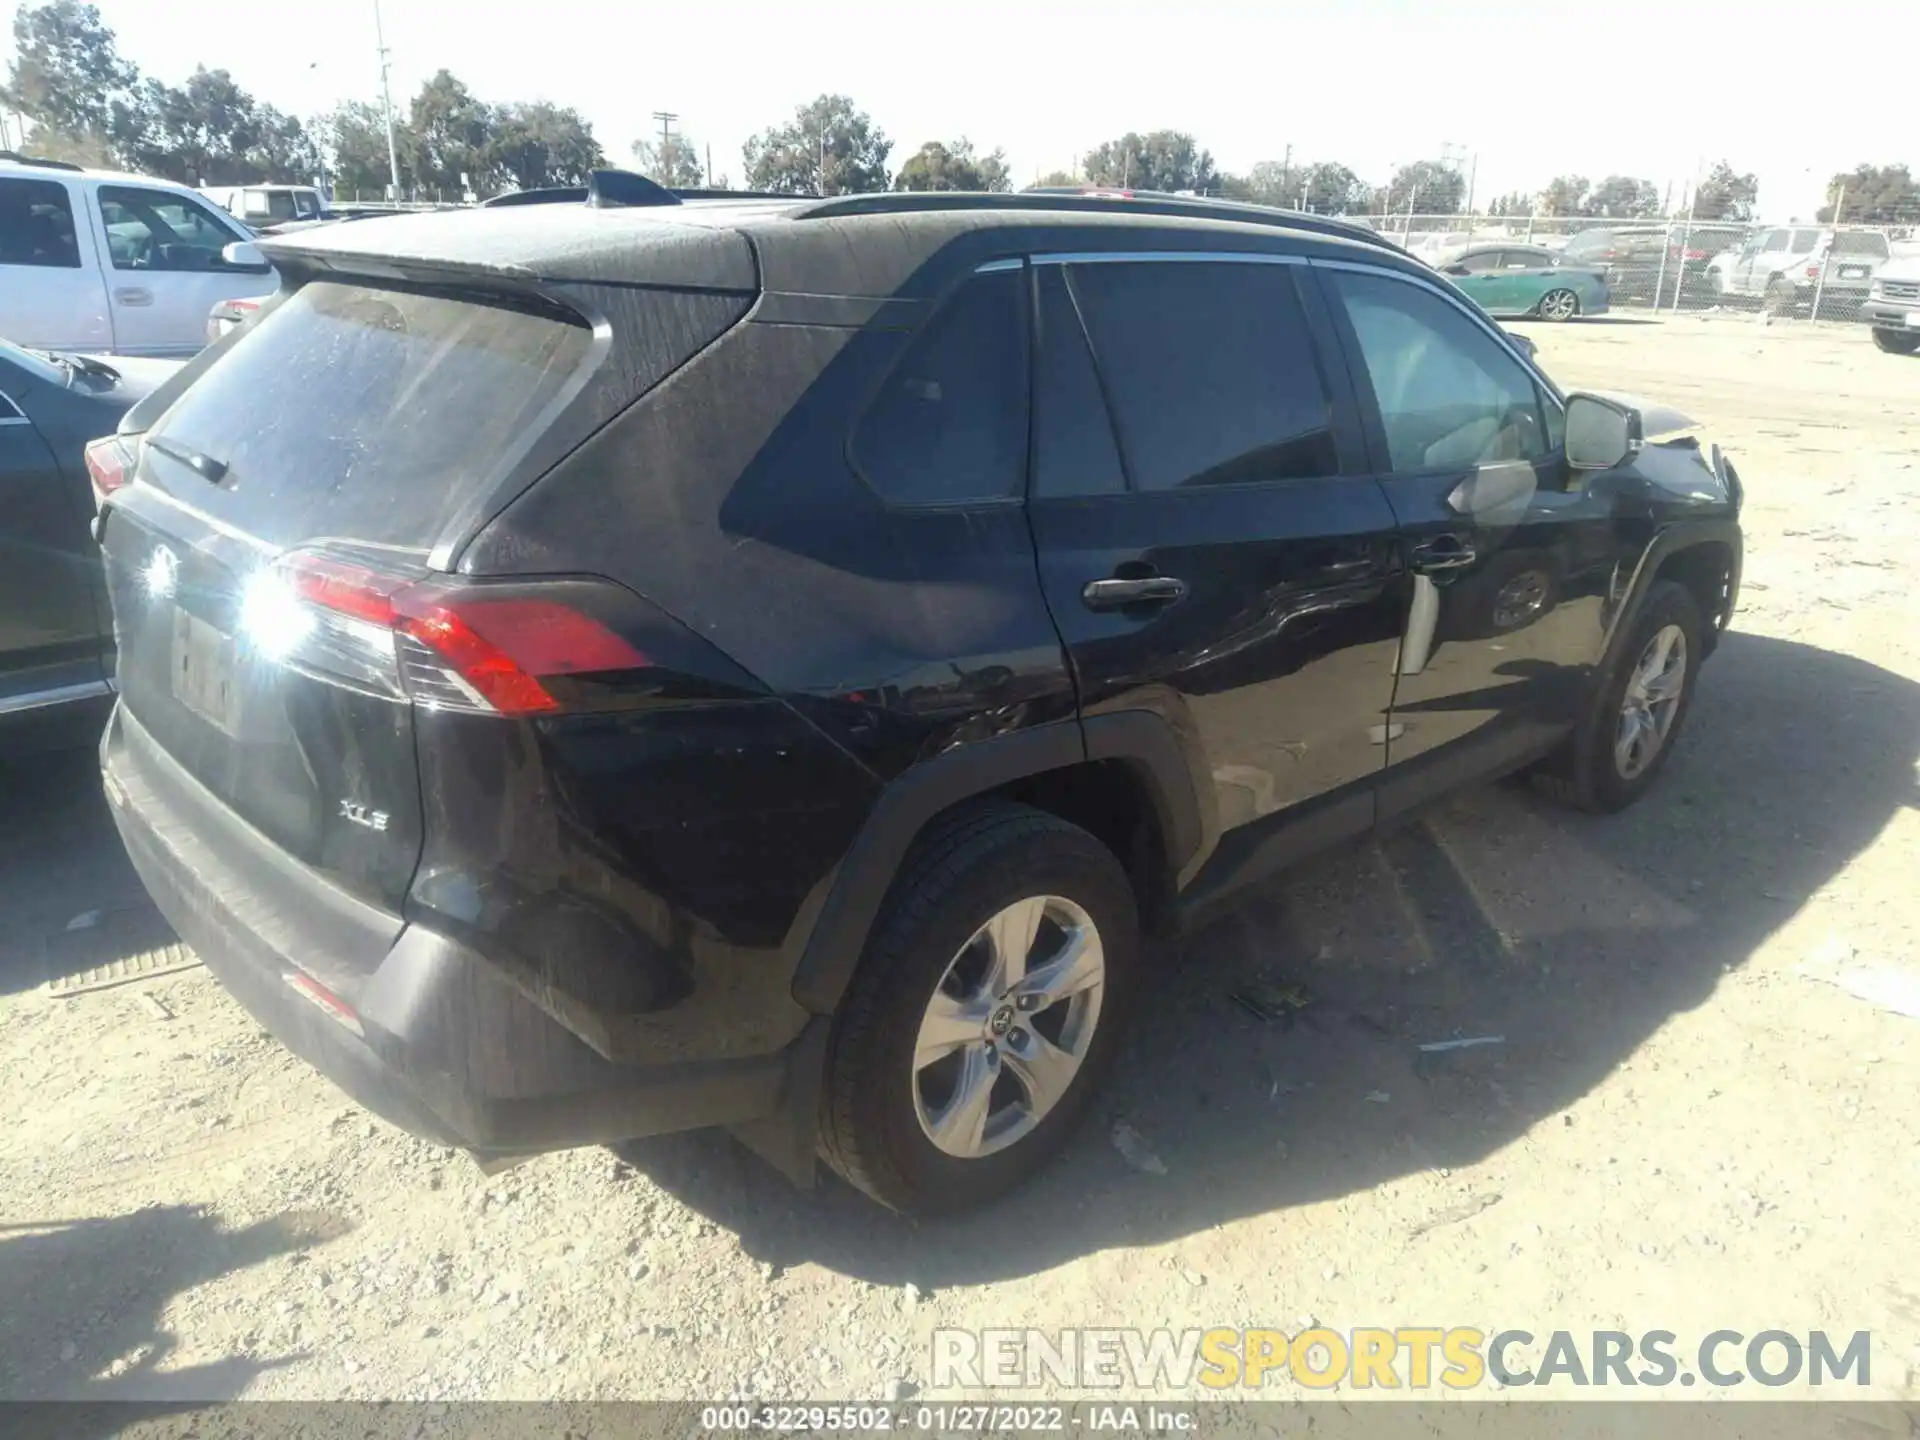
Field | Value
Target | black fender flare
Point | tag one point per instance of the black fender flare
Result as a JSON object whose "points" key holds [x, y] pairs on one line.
{"points": [[1140, 738], [1675, 538]]}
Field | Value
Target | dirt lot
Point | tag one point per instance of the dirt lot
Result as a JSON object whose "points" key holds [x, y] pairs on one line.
{"points": [[1684, 1128]]}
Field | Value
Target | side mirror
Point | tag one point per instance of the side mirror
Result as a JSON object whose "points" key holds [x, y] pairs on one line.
{"points": [[1601, 433], [245, 255]]}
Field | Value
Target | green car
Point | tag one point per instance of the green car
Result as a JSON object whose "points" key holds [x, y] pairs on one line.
{"points": [[1525, 280]]}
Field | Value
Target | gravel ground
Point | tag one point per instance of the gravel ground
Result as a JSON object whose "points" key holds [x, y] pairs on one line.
{"points": [[1686, 1128]]}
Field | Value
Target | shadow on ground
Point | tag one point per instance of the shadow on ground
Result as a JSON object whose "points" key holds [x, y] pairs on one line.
{"points": [[61, 859], [1573, 937], [110, 1280]]}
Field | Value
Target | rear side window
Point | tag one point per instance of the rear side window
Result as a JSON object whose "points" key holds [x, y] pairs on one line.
{"points": [[36, 225], [1209, 370], [372, 413], [1074, 452], [949, 424], [1804, 241]]}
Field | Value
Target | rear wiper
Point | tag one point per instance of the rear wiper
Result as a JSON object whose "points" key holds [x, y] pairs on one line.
{"points": [[205, 466]]}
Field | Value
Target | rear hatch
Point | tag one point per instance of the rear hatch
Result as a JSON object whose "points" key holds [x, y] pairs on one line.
{"points": [[1854, 257], [256, 568]]}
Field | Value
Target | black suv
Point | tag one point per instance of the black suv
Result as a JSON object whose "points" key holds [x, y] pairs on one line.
{"points": [[594, 669]]}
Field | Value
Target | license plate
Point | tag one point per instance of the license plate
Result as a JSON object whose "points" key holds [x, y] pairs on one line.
{"points": [[203, 678], [1853, 272]]}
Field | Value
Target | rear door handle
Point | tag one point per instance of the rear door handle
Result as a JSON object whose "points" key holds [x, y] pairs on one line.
{"points": [[1441, 554], [133, 295], [1141, 590]]}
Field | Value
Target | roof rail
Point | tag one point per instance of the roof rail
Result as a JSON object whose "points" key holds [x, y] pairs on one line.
{"points": [[41, 161], [641, 189], [1145, 202]]}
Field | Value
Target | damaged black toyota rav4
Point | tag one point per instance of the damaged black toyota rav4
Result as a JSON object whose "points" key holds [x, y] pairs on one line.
{"points": [[639, 662]]}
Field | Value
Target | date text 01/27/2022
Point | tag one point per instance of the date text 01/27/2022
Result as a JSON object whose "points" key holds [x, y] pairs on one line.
{"points": [[947, 1418]]}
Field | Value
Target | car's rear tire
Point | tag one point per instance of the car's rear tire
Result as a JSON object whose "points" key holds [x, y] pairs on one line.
{"points": [[1779, 298], [1561, 304], [1897, 342], [1603, 767], [918, 1110]]}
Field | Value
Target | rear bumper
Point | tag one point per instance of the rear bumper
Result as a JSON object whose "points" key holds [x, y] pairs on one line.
{"points": [[434, 1040], [1891, 314]]}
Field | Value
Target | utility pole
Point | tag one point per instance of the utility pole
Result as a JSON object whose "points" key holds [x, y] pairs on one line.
{"points": [[660, 161], [386, 97], [1286, 175], [709, 165], [823, 155]]}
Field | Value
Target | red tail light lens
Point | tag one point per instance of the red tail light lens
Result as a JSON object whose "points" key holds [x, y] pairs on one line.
{"points": [[446, 645], [1696, 255], [110, 464], [1813, 271]]}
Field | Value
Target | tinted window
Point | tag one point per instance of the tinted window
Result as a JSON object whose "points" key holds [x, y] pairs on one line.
{"points": [[1861, 242], [1479, 262], [1209, 370], [371, 413], [950, 421], [1526, 260], [1449, 393], [1804, 241], [1775, 240], [158, 230], [1073, 445], [36, 225]]}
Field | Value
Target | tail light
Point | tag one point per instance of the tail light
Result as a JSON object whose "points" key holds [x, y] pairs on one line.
{"points": [[1694, 255], [110, 465], [1813, 271], [518, 650]]}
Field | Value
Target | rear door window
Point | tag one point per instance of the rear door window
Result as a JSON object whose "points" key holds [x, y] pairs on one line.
{"points": [[1074, 451], [1210, 371], [36, 225], [370, 413], [1804, 241], [949, 423]]}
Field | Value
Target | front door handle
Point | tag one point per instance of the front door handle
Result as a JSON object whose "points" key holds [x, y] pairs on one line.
{"points": [[1441, 554], [1117, 594], [133, 295]]}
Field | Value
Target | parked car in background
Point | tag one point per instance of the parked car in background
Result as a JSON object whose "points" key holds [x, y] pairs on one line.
{"points": [[102, 263], [1645, 262], [230, 315], [1892, 306], [1786, 268], [266, 208], [1512, 279], [685, 711], [55, 643]]}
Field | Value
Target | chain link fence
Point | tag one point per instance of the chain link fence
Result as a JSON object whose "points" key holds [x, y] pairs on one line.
{"points": [[1822, 272]]}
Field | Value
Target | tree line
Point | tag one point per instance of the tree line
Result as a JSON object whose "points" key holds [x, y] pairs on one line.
{"points": [[85, 102]]}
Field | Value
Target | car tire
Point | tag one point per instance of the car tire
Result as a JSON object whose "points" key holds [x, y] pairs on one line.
{"points": [[882, 1103], [1558, 305], [1597, 770], [1898, 342]]}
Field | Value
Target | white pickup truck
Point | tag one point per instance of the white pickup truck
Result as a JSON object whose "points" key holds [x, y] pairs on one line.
{"points": [[101, 263]]}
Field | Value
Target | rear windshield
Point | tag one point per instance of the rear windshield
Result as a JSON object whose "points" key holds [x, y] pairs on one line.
{"points": [[1861, 242], [369, 413]]}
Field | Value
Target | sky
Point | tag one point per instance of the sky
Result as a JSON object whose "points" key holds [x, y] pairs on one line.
{"points": [[1529, 89]]}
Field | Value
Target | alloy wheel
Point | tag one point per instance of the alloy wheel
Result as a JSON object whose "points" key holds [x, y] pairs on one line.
{"points": [[1008, 1026], [1559, 305], [1652, 700]]}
